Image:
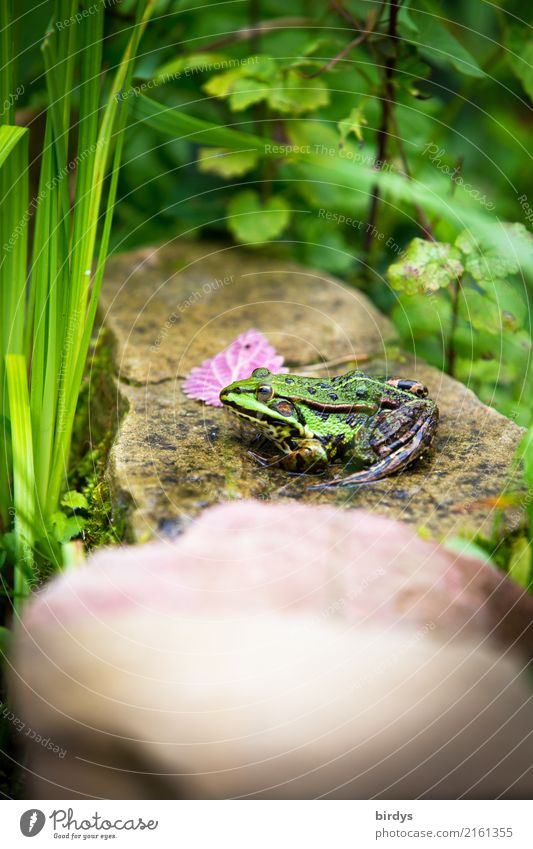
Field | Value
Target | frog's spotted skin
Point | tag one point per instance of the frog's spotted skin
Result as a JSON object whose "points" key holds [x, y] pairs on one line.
{"points": [[379, 425]]}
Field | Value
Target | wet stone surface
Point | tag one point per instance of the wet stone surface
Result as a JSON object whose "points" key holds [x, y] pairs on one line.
{"points": [[169, 308]]}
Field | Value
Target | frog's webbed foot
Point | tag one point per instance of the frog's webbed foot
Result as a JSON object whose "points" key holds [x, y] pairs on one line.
{"points": [[264, 462], [310, 456]]}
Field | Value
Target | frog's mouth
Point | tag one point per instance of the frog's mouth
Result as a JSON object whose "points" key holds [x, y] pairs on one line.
{"points": [[277, 429]]}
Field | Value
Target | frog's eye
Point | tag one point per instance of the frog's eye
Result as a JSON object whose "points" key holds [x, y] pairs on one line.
{"points": [[260, 372], [264, 392]]}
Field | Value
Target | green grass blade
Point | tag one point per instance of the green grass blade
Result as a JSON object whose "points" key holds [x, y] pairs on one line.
{"points": [[13, 227], [7, 52], [23, 472], [78, 322], [172, 122]]}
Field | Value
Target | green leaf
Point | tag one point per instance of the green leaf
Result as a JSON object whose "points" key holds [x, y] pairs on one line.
{"points": [[9, 138], [526, 452], [74, 500], [520, 562], [23, 470], [177, 124], [296, 94], [422, 315], [353, 124], [193, 62], [249, 83], [5, 639], [221, 85], [510, 302], [425, 267], [260, 67], [428, 31], [405, 22], [63, 527], [474, 373], [347, 173], [466, 548], [226, 163], [479, 311], [246, 92], [252, 222], [520, 44], [487, 259], [324, 246]]}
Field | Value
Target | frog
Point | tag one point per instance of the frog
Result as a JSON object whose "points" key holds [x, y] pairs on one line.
{"points": [[376, 425]]}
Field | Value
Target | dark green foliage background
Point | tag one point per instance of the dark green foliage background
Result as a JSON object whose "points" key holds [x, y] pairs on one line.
{"points": [[459, 108]]}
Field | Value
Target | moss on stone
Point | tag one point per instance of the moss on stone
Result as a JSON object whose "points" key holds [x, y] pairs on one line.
{"points": [[100, 409]]}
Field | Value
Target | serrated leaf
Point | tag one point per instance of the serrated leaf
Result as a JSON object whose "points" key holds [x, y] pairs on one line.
{"points": [[64, 528], [486, 260], [425, 267], [261, 67], [245, 92], [226, 163], [296, 95], [221, 85], [74, 500], [253, 222], [247, 352], [245, 85], [193, 62]]}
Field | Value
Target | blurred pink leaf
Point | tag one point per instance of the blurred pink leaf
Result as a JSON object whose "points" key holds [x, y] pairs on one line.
{"points": [[247, 352]]}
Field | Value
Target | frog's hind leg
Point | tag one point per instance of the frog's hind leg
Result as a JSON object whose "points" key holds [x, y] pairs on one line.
{"points": [[394, 462]]}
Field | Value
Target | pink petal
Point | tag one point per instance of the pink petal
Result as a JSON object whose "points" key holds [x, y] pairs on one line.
{"points": [[247, 352]]}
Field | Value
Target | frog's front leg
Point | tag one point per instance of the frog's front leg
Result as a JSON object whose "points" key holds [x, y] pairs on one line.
{"points": [[310, 456]]}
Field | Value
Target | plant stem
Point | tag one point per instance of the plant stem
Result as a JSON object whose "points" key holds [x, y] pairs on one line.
{"points": [[450, 350], [423, 220]]}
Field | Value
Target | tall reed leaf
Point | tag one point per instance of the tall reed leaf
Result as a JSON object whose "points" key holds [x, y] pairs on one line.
{"points": [[23, 472], [47, 319], [13, 227]]}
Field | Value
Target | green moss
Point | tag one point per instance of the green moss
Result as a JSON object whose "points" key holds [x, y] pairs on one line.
{"points": [[99, 412]]}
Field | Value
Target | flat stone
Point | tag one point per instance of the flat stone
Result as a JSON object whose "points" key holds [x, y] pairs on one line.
{"points": [[169, 308]]}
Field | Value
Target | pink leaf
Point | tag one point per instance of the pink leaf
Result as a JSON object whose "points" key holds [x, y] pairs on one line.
{"points": [[247, 352]]}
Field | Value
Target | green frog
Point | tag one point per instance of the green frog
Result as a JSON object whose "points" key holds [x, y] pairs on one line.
{"points": [[376, 425]]}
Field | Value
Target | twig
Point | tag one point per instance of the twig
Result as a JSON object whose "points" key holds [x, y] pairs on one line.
{"points": [[347, 358], [259, 29], [370, 25], [344, 13], [423, 220]]}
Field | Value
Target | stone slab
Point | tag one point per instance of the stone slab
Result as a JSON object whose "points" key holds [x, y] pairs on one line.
{"points": [[169, 308]]}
